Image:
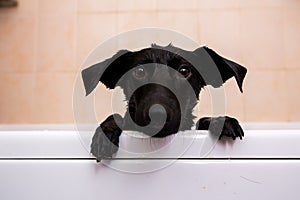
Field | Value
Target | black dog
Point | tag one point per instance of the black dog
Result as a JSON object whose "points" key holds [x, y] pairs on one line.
{"points": [[161, 86]]}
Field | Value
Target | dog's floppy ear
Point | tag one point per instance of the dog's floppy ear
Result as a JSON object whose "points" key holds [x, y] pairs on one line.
{"points": [[108, 71], [226, 68]]}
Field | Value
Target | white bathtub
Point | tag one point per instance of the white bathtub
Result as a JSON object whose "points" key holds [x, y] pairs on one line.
{"points": [[52, 162]]}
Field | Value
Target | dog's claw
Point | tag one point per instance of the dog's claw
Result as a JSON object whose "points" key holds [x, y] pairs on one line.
{"points": [[106, 139], [221, 126]]}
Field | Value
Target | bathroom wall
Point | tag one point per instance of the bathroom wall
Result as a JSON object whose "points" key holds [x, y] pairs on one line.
{"points": [[43, 44]]}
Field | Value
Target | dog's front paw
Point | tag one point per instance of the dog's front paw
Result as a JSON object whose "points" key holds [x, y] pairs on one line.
{"points": [[221, 126], [106, 138]]}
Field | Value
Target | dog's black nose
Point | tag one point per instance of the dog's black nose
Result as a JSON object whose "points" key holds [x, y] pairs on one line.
{"points": [[158, 113]]}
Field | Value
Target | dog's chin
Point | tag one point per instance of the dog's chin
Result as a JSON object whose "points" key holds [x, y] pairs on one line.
{"points": [[163, 134], [157, 130]]}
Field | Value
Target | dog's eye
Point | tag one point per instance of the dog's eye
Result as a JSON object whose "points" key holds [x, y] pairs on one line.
{"points": [[139, 72], [185, 71]]}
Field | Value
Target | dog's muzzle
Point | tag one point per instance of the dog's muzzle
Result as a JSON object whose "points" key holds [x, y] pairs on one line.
{"points": [[158, 112]]}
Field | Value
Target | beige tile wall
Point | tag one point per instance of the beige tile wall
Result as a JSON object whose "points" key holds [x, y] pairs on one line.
{"points": [[43, 43]]}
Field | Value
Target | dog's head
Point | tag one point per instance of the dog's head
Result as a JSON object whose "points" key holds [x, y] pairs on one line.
{"points": [[162, 84]]}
